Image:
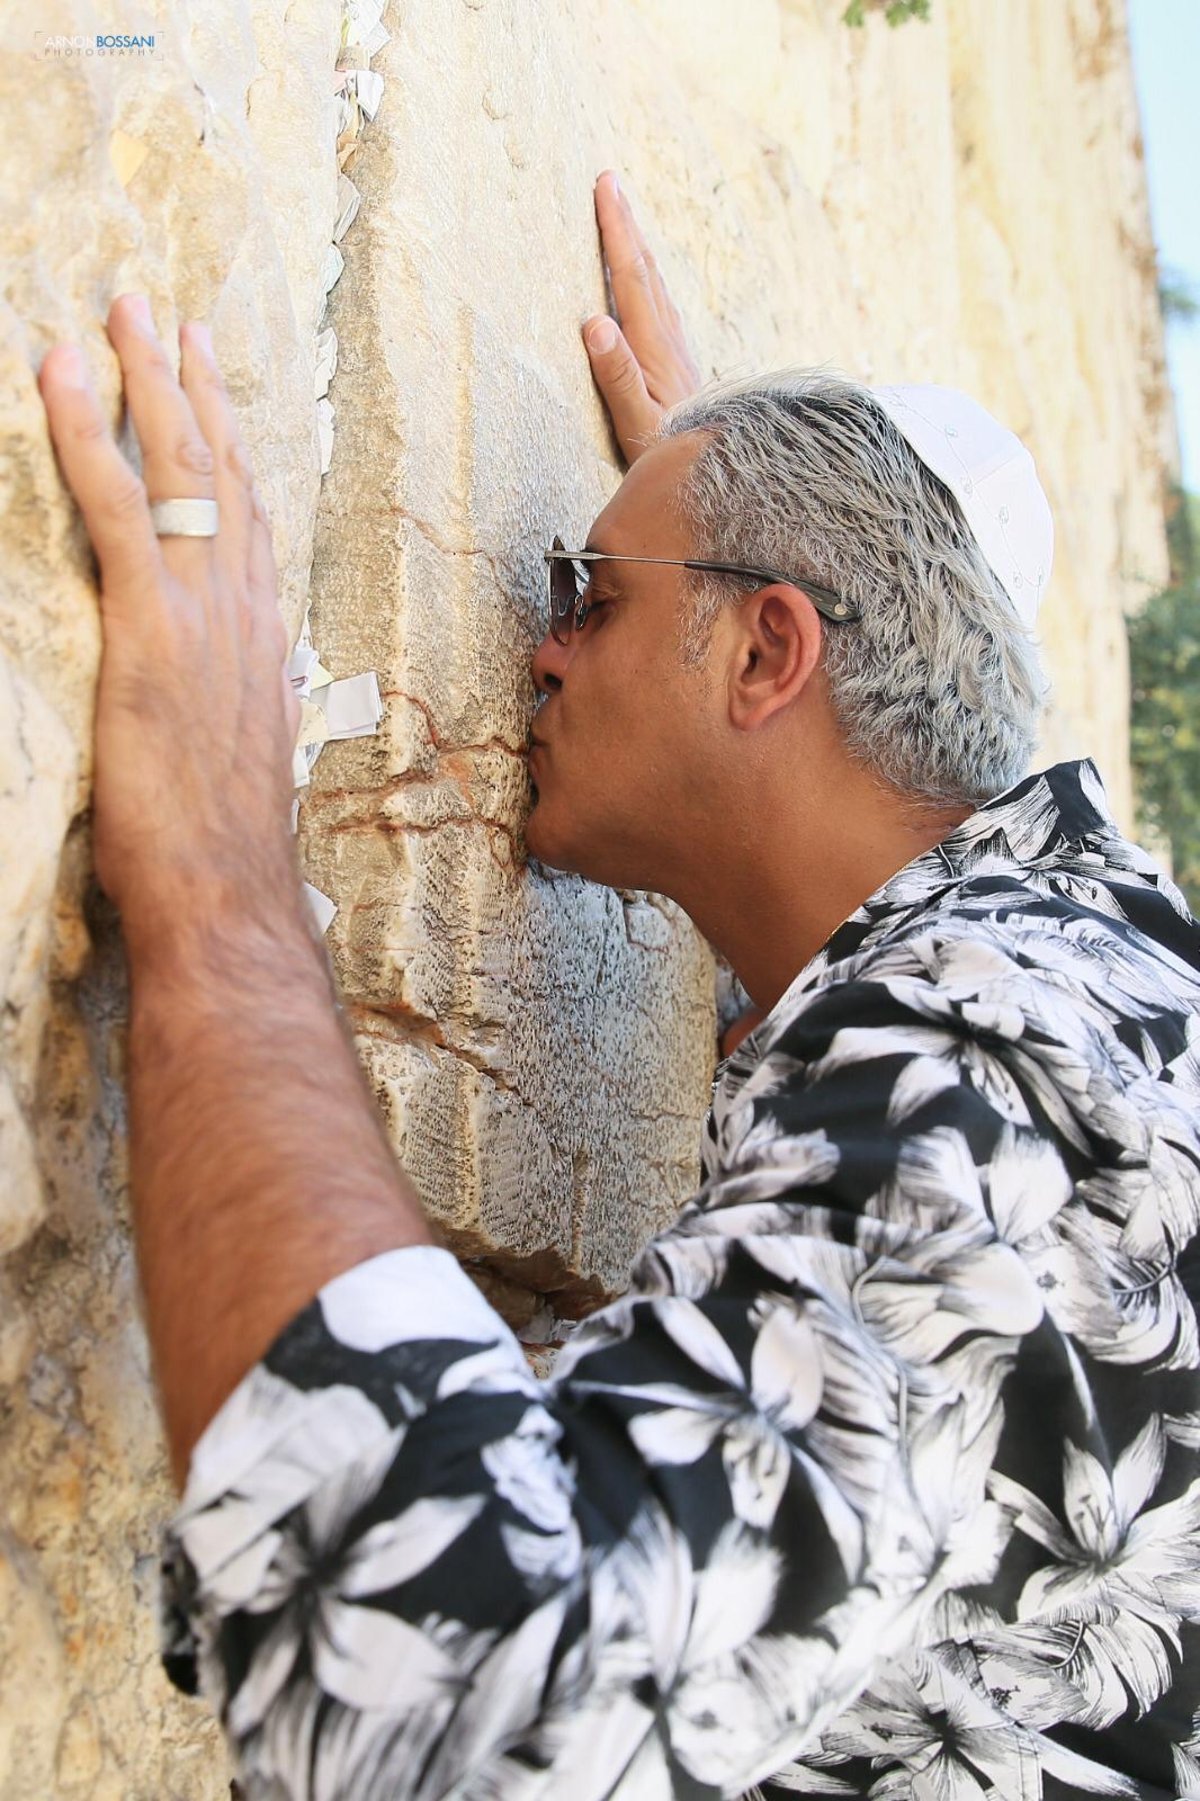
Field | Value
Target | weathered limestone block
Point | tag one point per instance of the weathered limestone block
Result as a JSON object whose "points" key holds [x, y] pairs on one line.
{"points": [[961, 202], [1062, 327], [517, 1028], [176, 174]]}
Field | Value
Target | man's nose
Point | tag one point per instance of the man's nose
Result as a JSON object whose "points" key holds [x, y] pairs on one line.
{"points": [[550, 661]]}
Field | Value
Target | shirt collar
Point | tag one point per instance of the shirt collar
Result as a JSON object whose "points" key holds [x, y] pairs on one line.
{"points": [[1034, 820], [1030, 824]]}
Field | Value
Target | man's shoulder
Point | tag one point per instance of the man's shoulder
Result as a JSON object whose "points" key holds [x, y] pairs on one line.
{"points": [[1076, 925], [1004, 968], [1058, 986]]}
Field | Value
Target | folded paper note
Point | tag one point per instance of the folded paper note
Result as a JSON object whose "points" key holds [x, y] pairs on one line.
{"points": [[314, 726], [362, 19], [349, 124], [353, 708], [331, 267], [301, 664], [367, 87], [327, 360], [325, 433], [350, 708], [323, 909], [348, 201]]}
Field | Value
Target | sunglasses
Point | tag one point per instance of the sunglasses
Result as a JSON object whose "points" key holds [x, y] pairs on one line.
{"points": [[568, 577]]}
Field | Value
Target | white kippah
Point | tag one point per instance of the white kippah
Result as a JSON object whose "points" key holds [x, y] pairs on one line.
{"points": [[991, 475]]}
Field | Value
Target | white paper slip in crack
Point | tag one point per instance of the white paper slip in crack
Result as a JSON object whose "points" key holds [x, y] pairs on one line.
{"points": [[314, 726], [325, 433], [331, 268], [348, 201], [301, 665], [324, 910], [353, 707], [367, 88], [327, 361], [362, 16]]}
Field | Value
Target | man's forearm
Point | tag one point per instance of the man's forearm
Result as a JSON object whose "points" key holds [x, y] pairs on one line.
{"points": [[260, 1169]]}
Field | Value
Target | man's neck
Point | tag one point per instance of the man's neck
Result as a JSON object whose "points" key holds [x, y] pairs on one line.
{"points": [[780, 893]]}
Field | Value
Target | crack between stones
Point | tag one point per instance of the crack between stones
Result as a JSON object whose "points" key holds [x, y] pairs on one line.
{"points": [[437, 738], [422, 1029], [394, 828]]}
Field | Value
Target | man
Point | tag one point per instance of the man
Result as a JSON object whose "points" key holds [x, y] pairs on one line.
{"points": [[882, 1477]]}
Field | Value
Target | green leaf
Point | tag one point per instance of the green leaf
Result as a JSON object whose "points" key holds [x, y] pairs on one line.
{"points": [[894, 11], [1164, 668]]}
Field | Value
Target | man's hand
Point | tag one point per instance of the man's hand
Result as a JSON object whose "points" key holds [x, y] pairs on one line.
{"points": [[195, 719], [258, 1164], [643, 366]]}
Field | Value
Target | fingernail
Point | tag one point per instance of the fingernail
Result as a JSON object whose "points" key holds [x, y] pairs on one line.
{"points": [[137, 308], [202, 337], [601, 335], [70, 370]]}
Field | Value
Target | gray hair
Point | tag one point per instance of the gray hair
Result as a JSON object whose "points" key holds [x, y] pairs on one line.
{"points": [[938, 688]]}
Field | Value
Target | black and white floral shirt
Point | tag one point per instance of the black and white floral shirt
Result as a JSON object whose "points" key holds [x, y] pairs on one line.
{"points": [[882, 1479]]}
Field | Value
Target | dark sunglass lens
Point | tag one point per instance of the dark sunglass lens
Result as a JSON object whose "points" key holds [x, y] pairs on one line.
{"points": [[562, 597], [564, 586]]}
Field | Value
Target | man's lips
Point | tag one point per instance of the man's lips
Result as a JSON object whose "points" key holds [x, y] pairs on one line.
{"points": [[537, 746]]}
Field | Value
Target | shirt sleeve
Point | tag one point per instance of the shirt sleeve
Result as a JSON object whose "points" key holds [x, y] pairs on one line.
{"points": [[405, 1567]]}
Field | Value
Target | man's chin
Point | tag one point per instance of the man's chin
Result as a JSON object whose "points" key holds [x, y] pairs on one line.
{"points": [[561, 853], [542, 845]]}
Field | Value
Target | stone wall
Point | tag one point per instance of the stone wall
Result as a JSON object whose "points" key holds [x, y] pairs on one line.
{"points": [[961, 201]]}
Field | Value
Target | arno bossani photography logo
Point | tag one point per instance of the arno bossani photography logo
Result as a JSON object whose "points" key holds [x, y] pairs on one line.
{"points": [[100, 43]]}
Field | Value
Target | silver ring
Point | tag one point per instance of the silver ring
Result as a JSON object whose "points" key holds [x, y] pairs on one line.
{"points": [[185, 518]]}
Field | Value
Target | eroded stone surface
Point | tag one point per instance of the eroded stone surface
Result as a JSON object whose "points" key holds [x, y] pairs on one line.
{"points": [[218, 221], [960, 202]]}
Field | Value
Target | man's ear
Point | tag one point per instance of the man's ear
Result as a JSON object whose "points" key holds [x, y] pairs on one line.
{"points": [[777, 645]]}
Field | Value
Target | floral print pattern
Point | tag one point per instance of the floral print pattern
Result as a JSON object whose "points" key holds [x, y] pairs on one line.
{"points": [[882, 1480]]}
